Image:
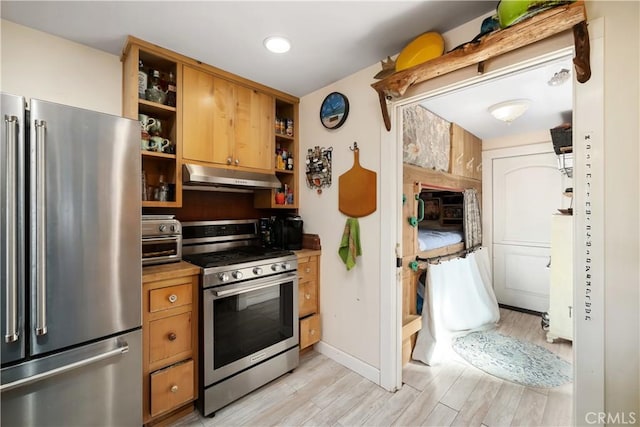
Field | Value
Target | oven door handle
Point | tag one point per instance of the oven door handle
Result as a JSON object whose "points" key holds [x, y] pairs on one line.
{"points": [[159, 239], [283, 278]]}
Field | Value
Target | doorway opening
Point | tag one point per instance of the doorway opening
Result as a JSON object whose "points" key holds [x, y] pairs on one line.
{"points": [[522, 188]]}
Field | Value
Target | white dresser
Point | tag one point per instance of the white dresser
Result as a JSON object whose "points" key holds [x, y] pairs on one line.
{"points": [[561, 290]]}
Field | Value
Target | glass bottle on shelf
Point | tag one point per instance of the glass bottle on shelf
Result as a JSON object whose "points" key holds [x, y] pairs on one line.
{"points": [[171, 90], [142, 80], [154, 92], [163, 190]]}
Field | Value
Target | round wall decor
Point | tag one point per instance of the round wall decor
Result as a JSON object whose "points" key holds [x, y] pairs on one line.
{"points": [[334, 110]]}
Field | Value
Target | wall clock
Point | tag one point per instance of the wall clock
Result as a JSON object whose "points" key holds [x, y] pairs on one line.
{"points": [[334, 110]]}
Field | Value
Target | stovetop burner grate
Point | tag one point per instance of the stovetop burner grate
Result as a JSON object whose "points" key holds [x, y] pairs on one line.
{"points": [[234, 256]]}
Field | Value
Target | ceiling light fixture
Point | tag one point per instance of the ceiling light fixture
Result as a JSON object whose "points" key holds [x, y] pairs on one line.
{"points": [[277, 44], [559, 78], [508, 111]]}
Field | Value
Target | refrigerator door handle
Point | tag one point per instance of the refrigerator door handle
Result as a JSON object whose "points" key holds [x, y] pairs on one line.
{"points": [[11, 309], [40, 234], [66, 368]]}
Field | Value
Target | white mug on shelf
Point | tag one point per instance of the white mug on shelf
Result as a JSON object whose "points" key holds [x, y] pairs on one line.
{"points": [[159, 144]]}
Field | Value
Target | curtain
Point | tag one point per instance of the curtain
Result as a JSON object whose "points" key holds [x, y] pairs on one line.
{"points": [[458, 297], [472, 220]]}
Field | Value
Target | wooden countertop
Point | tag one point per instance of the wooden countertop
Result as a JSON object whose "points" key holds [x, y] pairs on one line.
{"points": [[168, 271], [307, 252]]}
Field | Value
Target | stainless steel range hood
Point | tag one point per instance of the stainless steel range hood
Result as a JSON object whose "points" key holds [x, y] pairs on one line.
{"points": [[197, 177]]}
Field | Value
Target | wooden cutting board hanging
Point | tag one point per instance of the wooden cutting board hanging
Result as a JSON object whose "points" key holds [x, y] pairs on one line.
{"points": [[357, 189]]}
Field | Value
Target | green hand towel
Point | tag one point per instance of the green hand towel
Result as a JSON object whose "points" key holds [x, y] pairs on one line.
{"points": [[350, 244]]}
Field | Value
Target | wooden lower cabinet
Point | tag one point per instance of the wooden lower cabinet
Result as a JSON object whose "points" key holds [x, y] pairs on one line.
{"points": [[309, 297], [172, 387], [170, 295], [309, 330]]}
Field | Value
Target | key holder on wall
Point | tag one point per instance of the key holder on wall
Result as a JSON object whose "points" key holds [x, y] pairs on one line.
{"points": [[318, 164]]}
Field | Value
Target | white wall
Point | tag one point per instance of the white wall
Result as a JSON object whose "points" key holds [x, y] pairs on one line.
{"points": [[350, 304], [516, 140], [39, 65]]}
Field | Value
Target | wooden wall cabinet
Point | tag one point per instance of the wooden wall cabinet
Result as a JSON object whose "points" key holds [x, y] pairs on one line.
{"points": [[220, 120], [466, 153], [561, 287], [170, 295], [226, 124], [309, 297], [156, 166]]}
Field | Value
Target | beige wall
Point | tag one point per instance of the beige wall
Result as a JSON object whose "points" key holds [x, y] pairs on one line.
{"points": [[39, 65], [349, 299]]}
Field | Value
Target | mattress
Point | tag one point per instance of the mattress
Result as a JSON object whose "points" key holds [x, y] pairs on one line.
{"points": [[432, 239]]}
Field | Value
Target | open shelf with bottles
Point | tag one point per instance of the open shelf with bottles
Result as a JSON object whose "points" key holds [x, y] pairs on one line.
{"points": [[156, 107], [286, 159]]}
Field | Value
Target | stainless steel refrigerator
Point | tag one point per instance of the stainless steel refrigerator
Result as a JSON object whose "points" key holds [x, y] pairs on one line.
{"points": [[70, 265]]}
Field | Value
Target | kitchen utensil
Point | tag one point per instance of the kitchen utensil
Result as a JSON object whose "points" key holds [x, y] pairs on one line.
{"points": [[357, 189]]}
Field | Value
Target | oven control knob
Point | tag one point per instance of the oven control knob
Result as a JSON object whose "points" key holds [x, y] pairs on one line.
{"points": [[172, 228], [162, 227], [237, 274], [286, 266], [276, 267], [224, 277], [257, 271]]}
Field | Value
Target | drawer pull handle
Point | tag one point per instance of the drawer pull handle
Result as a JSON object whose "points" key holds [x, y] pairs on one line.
{"points": [[313, 332], [174, 389], [307, 270], [172, 336], [307, 296], [173, 298]]}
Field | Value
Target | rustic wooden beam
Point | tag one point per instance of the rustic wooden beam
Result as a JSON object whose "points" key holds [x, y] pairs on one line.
{"points": [[531, 30]]}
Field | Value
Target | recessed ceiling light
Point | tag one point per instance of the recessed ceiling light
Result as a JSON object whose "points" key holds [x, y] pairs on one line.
{"points": [[277, 44]]}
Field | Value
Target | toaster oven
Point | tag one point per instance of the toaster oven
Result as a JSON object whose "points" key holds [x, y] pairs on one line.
{"points": [[161, 239]]}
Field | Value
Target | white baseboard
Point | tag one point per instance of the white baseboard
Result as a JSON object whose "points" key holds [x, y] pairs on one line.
{"points": [[348, 361]]}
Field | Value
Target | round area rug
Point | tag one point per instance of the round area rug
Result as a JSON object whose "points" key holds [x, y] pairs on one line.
{"points": [[513, 360]]}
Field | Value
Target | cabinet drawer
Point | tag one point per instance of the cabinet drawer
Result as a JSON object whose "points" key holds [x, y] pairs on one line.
{"points": [[308, 271], [169, 336], [309, 331], [171, 387], [170, 297], [307, 298]]}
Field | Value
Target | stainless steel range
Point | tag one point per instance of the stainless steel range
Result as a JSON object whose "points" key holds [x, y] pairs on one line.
{"points": [[248, 309]]}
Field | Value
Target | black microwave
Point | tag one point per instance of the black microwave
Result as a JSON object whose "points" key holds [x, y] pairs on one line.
{"points": [[282, 232]]}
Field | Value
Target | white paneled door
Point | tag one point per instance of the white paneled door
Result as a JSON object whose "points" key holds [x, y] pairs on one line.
{"points": [[527, 190]]}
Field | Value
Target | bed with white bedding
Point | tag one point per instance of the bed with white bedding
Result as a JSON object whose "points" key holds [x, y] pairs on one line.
{"points": [[429, 239]]}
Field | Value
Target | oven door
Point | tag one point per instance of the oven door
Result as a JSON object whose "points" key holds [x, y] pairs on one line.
{"points": [[247, 323], [160, 250]]}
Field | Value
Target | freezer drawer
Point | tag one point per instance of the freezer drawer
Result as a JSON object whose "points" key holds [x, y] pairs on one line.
{"points": [[98, 384]]}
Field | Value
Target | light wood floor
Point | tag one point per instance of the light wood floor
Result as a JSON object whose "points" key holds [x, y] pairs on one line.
{"points": [[321, 392]]}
